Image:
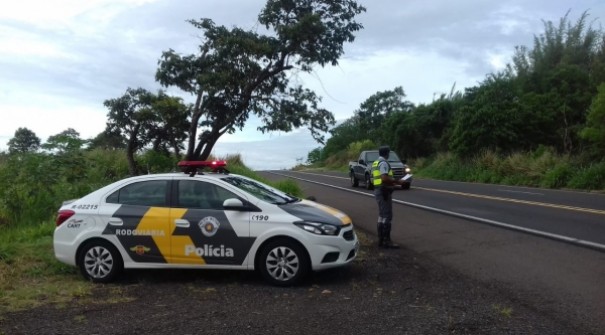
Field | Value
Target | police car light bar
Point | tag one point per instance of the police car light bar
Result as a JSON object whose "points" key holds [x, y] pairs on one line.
{"points": [[201, 164], [192, 166]]}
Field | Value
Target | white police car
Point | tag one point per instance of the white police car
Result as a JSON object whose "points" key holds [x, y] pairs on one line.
{"points": [[200, 220]]}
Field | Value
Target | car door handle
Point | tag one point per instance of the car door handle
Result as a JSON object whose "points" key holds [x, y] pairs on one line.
{"points": [[182, 223], [116, 222]]}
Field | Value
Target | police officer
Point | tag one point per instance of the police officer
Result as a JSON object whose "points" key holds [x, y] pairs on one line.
{"points": [[384, 182]]}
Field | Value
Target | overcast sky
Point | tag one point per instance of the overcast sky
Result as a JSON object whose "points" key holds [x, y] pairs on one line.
{"points": [[60, 59]]}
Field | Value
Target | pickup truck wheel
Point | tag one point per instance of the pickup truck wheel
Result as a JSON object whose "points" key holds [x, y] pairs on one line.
{"points": [[354, 180], [369, 184]]}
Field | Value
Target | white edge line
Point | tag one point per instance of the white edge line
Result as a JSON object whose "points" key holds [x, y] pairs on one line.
{"points": [[567, 239]]}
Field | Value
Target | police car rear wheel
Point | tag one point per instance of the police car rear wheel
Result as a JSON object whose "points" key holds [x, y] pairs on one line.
{"points": [[100, 261], [283, 263]]}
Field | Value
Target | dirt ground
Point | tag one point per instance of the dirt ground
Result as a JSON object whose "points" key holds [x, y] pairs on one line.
{"points": [[381, 292]]}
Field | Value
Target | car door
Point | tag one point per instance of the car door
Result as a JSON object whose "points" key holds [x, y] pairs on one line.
{"points": [[204, 232], [137, 215]]}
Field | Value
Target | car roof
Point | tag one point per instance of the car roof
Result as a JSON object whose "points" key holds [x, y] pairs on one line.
{"points": [[205, 175]]}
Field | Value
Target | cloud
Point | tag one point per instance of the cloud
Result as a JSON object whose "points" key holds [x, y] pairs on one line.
{"points": [[271, 153], [60, 59]]}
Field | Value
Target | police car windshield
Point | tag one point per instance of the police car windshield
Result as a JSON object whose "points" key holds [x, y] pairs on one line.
{"points": [[261, 191]]}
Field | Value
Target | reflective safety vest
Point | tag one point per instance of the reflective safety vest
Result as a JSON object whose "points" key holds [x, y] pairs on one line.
{"points": [[377, 181]]}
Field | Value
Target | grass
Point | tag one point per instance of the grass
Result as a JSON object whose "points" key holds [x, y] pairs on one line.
{"points": [[506, 312], [540, 168], [29, 274]]}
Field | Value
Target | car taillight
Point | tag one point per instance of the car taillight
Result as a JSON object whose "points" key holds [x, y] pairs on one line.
{"points": [[64, 215]]}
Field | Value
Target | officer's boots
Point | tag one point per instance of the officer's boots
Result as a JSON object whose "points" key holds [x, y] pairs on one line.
{"points": [[381, 235], [387, 243]]}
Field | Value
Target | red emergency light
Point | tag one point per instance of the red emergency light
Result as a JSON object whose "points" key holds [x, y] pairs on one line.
{"points": [[191, 167]]}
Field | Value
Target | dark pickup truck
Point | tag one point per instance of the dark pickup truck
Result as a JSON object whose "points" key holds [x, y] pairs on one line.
{"points": [[362, 169]]}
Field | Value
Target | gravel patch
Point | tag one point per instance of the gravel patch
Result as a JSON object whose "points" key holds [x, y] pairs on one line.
{"points": [[382, 292]]}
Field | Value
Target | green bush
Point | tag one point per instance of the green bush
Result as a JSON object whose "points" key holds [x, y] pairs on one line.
{"points": [[558, 176], [339, 161], [355, 148], [157, 162], [589, 178], [105, 166], [540, 168]]}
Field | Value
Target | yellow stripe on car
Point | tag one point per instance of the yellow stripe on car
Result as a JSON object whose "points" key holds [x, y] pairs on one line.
{"points": [[179, 242], [162, 219], [155, 219], [345, 219]]}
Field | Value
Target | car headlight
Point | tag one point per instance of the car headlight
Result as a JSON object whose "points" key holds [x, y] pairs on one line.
{"points": [[318, 228], [408, 170]]}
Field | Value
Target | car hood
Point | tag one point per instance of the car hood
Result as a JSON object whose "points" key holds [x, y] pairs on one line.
{"points": [[315, 212]]}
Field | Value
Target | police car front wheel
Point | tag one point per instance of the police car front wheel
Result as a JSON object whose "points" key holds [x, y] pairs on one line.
{"points": [[283, 262], [99, 261]]}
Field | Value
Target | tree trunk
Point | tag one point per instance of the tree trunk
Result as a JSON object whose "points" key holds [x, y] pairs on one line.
{"points": [[195, 119], [130, 149]]}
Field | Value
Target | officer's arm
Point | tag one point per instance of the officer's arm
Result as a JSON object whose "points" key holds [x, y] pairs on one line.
{"points": [[387, 180], [390, 181]]}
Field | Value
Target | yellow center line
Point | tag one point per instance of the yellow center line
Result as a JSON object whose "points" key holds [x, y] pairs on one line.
{"points": [[526, 202]]}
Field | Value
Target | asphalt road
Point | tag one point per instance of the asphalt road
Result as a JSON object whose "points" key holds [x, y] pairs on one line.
{"points": [[547, 245]]}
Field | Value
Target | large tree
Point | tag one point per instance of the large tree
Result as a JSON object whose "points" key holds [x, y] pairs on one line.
{"points": [[341, 137], [130, 115], [167, 131], [24, 141], [594, 131], [373, 112], [558, 79], [141, 118], [492, 119], [109, 139], [66, 141], [238, 73]]}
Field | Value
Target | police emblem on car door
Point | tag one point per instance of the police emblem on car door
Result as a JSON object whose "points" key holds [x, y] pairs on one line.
{"points": [[204, 232]]}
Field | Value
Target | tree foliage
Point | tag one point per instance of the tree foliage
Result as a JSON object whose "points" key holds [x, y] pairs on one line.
{"points": [[140, 117], [373, 112], [594, 132], [314, 156], [130, 115], [24, 141], [238, 74], [341, 136], [167, 129], [559, 77], [542, 99], [492, 119], [64, 142], [108, 139]]}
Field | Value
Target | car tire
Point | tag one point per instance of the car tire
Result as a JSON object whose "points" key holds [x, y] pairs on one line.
{"points": [[369, 184], [406, 186], [283, 262], [99, 261], [354, 180]]}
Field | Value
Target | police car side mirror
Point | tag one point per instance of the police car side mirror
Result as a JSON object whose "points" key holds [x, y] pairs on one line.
{"points": [[362, 162], [234, 205]]}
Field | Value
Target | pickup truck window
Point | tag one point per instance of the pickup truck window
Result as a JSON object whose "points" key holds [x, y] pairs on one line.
{"points": [[372, 156]]}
